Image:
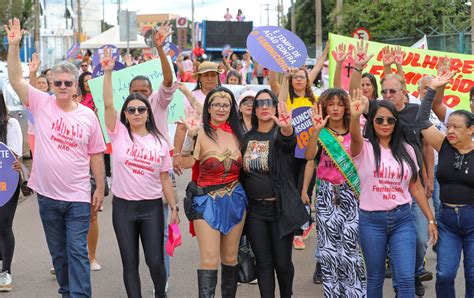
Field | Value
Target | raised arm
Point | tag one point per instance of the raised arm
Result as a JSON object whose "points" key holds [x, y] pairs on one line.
{"points": [[195, 104], [193, 124], [33, 66], [318, 123], [387, 59], [431, 134], [285, 85], [110, 114], [340, 54], [160, 37], [313, 74], [361, 57], [273, 82], [19, 84], [438, 107], [358, 105]]}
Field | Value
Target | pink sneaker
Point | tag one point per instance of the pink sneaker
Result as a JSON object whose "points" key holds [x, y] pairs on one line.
{"points": [[298, 243]]}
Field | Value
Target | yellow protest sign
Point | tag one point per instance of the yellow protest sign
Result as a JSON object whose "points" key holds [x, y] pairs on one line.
{"points": [[416, 64]]}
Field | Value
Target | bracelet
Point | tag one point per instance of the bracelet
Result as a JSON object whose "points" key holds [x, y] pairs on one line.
{"points": [[358, 69], [174, 207], [176, 154], [432, 222]]}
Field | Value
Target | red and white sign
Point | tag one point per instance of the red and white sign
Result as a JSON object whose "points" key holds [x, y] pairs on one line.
{"points": [[181, 22], [361, 33]]}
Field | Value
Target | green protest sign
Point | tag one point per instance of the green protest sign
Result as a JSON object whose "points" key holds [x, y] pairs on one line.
{"points": [[120, 84]]}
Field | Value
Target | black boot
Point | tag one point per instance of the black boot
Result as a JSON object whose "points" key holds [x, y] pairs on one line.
{"points": [[318, 274], [207, 280], [229, 278]]}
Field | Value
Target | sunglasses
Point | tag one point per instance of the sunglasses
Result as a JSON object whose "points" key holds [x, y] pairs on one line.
{"points": [[390, 120], [58, 83], [391, 91], [268, 102], [133, 110], [217, 106], [247, 102]]}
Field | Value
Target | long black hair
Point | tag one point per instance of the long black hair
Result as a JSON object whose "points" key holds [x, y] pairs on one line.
{"points": [[254, 107], [397, 141], [373, 82], [81, 81], [3, 120], [150, 121], [233, 119]]}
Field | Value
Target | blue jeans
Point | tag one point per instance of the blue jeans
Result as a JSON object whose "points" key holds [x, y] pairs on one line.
{"points": [[456, 234], [421, 226], [66, 225], [377, 231], [435, 195], [165, 254]]}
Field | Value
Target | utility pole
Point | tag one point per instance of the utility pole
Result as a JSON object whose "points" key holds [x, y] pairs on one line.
{"points": [[293, 21], [102, 25], [339, 13], [37, 26], [472, 27], [192, 26], [118, 12], [278, 13], [79, 21], [319, 28], [268, 13]]}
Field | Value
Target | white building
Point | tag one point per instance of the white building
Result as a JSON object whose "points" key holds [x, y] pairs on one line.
{"points": [[59, 19]]}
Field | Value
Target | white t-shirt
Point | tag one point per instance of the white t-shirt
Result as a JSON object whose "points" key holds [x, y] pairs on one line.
{"points": [[14, 136]]}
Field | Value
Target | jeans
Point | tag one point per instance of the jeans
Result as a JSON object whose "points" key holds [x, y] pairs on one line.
{"points": [[66, 225], [456, 234], [421, 226], [435, 195], [134, 220], [167, 257], [7, 238], [272, 253], [394, 228]]}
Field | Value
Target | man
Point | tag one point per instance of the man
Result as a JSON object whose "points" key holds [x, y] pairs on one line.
{"points": [[68, 144], [84, 66], [392, 90]]}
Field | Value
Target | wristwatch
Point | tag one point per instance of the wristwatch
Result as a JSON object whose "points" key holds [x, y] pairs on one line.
{"points": [[175, 207], [432, 222]]}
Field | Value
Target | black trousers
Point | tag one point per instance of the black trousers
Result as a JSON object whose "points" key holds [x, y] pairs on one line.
{"points": [[300, 165], [145, 220], [7, 239], [272, 253]]}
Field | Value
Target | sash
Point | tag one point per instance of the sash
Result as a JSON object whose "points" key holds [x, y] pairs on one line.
{"points": [[341, 159]]}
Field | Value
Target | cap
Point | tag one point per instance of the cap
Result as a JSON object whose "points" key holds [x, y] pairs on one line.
{"points": [[245, 94]]}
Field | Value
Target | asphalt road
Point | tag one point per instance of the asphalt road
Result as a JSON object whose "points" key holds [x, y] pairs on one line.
{"points": [[31, 277]]}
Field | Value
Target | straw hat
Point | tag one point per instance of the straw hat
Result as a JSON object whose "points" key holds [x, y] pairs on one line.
{"points": [[207, 66]]}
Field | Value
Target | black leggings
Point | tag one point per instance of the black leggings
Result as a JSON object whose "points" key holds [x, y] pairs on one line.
{"points": [[7, 239], [272, 253], [144, 219]]}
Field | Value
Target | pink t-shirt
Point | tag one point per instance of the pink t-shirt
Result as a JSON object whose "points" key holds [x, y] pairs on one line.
{"points": [[137, 164], [64, 142], [159, 102], [385, 191], [326, 168]]}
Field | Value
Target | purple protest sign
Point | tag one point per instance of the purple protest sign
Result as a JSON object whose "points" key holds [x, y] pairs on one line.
{"points": [[276, 48], [100, 51], [302, 124], [8, 176], [98, 72], [171, 49]]}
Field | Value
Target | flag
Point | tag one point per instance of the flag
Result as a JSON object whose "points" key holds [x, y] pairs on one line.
{"points": [[421, 44]]}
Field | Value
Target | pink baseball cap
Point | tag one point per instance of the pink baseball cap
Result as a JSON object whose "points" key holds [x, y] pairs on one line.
{"points": [[245, 94]]}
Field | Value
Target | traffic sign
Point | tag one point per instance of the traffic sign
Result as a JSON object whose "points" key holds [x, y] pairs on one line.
{"points": [[181, 22], [361, 33]]}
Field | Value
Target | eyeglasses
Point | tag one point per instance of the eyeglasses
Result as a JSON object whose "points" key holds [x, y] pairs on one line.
{"points": [[390, 120], [58, 83], [218, 106], [296, 77], [268, 102], [391, 91], [133, 110]]}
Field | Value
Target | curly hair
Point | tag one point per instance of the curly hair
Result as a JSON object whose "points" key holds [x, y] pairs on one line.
{"points": [[330, 95]]}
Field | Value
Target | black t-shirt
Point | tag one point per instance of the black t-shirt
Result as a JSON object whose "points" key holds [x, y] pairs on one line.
{"points": [[256, 165], [456, 184]]}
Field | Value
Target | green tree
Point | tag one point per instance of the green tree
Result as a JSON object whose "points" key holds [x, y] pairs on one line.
{"points": [[21, 9]]}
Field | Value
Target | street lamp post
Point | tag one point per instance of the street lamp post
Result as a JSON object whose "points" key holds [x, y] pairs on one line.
{"points": [[193, 38]]}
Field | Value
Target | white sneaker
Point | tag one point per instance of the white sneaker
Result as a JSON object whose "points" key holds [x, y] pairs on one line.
{"points": [[52, 271], [5, 282], [166, 286], [95, 266], [254, 282]]}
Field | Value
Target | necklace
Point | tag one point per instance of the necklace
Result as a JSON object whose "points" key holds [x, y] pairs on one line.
{"points": [[339, 135]]}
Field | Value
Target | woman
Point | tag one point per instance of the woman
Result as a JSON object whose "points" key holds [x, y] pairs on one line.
{"points": [[245, 109], [456, 218], [275, 207], [10, 135], [343, 271], [240, 17], [140, 168], [296, 92], [83, 84], [216, 203], [233, 77], [388, 174]]}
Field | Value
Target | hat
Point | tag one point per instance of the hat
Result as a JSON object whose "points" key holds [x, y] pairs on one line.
{"points": [[208, 66], [245, 94]]}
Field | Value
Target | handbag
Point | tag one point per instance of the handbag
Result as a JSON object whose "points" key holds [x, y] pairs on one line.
{"points": [[94, 186], [24, 176], [247, 266]]}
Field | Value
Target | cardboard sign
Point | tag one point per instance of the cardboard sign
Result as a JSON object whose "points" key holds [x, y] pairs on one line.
{"points": [[100, 51], [276, 48], [8, 176], [303, 125], [98, 72], [171, 50], [417, 63]]}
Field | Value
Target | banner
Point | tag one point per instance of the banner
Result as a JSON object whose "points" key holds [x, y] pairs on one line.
{"points": [[421, 44], [120, 84], [416, 64], [8, 176]]}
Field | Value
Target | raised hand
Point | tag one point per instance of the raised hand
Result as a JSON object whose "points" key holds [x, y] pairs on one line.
{"points": [[14, 32], [387, 56], [291, 71], [284, 117], [107, 61], [340, 53], [128, 60], [318, 121], [442, 80], [162, 33], [358, 103], [398, 55], [193, 122], [34, 63], [361, 56]]}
